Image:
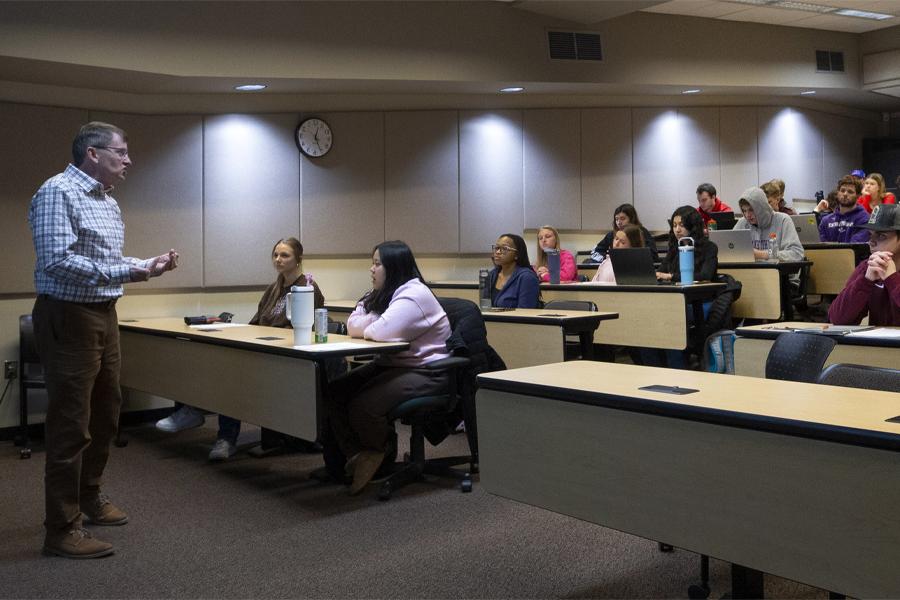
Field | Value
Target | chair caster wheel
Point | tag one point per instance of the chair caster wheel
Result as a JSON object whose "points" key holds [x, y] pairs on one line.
{"points": [[385, 492], [25, 453], [698, 592], [465, 485], [666, 547]]}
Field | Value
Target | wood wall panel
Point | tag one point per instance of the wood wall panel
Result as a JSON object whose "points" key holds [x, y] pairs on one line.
{"points": [[738, 152], [606, 167], [552, 168]]}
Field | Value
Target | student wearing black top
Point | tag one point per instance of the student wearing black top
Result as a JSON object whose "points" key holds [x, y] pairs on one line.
{"points": [[687, 222], [625, 214]]}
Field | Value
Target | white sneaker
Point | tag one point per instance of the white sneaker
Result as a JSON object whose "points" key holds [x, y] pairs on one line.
{"points": [[222, 450], [186, 417]]}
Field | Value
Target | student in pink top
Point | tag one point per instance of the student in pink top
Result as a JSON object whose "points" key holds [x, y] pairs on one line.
{"points": [[399, 308], [629, 236], [548, 237]]}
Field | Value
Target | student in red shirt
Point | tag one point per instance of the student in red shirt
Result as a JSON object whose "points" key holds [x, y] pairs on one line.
{"points": [[709, 202], [874, 193]]}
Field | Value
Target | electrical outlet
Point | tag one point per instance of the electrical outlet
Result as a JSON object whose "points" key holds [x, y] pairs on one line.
{"points": [[10, 369]]}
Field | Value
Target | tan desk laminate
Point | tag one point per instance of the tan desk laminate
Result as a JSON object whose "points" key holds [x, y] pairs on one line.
{"points": [[765, 292], [798, 480], [832, 265], [231, 371], [753, 344]]}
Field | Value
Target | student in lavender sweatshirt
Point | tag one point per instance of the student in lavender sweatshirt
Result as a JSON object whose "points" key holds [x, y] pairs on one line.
{"points": [[845, 223], [399, 308]]}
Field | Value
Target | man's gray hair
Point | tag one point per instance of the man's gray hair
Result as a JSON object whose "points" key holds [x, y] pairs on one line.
{"points": [[94, 134]]}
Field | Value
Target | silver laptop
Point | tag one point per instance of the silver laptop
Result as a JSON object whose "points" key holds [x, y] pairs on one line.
{"points": [[734, 245], [807, 228]]}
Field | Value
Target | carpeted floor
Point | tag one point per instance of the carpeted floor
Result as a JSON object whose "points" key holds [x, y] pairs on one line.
{"points": [[258, 528]]}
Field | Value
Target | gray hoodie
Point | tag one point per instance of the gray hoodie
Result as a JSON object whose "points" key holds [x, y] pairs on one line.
{"points": [[787, 244]]}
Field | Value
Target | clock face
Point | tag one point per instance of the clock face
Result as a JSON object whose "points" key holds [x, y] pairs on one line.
{"points": [[313, 137]]}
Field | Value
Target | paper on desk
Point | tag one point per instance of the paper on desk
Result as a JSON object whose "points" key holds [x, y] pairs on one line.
{"points": [[363, 348], [217, 326], [878, 332]]}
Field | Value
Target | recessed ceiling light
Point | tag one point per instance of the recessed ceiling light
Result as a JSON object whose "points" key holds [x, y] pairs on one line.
{"points": [[807, 92], [250, 87], [862, 14], [694, 91], [511, 90], [805, 6]]}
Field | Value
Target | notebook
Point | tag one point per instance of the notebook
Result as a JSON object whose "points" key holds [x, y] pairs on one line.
{"points": [[633, 266], [724, 220], [734, 245], [807, 228]]}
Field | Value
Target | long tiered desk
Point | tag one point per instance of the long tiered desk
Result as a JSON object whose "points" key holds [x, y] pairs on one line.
{"points": [[525, 336], [766, 291], [798, 480], [251, 373], [650, 316], [753, 343], [832, 265]]}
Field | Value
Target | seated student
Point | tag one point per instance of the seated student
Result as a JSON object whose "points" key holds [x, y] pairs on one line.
{"points": [[828, 204], [287, 258], [513, 283], [874, 287], [687, 222], [875, 193], [629, 236], [773, 234], [399, 307], [709, 202], [625, 214], [845, 223], [774, 191], [548, 237]]}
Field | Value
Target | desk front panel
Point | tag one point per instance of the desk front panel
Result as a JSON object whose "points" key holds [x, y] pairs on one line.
{"points": [[814, 511], [760, 292], [750, 356], [831, 269]]}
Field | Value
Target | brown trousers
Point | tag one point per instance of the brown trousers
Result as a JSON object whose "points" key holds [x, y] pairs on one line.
{"points": [[358, 403], [79, 349]]}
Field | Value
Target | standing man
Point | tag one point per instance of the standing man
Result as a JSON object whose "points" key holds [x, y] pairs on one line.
{"points": [[78, 240], [709, 202], [846, 223]]}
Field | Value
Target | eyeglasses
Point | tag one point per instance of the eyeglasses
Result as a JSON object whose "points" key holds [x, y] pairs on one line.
{"points": [[501, 249], [120, 152]]}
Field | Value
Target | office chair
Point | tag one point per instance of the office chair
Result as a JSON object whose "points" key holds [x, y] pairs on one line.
{"points": [[576, 346], [31, 377], [861, 376], [431, 416], [798, 356], [798, 293]]}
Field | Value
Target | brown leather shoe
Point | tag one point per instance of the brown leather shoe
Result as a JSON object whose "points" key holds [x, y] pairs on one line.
{"points": [[366, 464], [100, 511], [76, 543]]}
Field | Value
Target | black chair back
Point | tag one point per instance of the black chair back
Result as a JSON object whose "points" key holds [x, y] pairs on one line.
{"points": [[798, 356], [585, 305], [861, 376]]}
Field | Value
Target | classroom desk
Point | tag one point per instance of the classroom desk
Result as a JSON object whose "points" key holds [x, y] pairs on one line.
{"points": [[587, 269], [832, 265], [233, 372], [753, 343], [650, 316], [798, 480], [523, 337], [766, 291]]}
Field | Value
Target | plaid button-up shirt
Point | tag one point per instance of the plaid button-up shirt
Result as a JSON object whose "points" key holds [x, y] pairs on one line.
{"points": [[78, 239]]}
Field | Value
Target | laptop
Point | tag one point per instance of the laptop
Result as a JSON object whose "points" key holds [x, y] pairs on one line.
{"points": [[633, 266], [807, 228], [734, 245], [724, 220]]}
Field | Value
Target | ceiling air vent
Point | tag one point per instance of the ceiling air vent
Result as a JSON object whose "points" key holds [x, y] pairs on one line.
{"points": [[571, 45], [829, 61]]}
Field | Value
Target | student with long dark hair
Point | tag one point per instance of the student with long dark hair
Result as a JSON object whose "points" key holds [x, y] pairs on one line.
{"points": [[625, 214], [513, 283], [398, 308], [687, 222]]}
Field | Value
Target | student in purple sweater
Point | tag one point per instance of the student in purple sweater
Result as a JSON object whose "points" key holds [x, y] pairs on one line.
{"points": [[399, 308], [874, 287], [845, 223]]}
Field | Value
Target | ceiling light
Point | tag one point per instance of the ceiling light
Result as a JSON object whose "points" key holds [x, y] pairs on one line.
{"points": [[250, 87], [512, 90], [753, 2], [804, 6], [694, 91], [807, 92], [862, 14]]}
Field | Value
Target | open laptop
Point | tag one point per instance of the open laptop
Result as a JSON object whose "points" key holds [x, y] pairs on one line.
{"points": [[633, 266], [724, 220], [734, 245], [807, 228]]}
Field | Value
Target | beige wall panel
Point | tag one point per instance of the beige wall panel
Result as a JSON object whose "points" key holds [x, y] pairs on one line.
{"points": [[738, 155], [421, 197], [552, 165], [490, 176], [38, 145], [842, 148], [162, 197], [606, 165], [700, 157], [790, 148], [343, 192], [657, 159], [251, 191]]}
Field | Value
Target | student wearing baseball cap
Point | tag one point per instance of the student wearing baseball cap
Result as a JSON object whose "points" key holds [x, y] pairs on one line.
{"points": [[874, 287]]}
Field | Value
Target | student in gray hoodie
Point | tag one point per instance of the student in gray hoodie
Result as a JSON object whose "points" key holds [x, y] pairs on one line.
{"points": [[768, 229]]}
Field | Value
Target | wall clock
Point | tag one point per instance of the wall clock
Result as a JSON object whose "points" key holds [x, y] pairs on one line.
{"points": [[313, 137]]}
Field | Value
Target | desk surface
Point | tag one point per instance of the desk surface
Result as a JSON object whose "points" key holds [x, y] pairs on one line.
{"points": [[770, 332], [689, 290], [781, 265], [248, 338], [807, 410]]}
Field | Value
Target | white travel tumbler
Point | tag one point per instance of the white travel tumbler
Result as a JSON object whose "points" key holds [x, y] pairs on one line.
{"points": [[300, 305]]}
